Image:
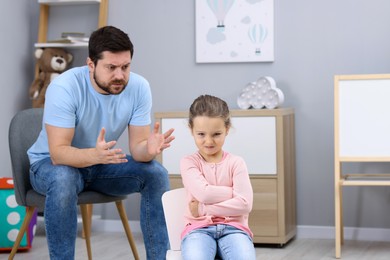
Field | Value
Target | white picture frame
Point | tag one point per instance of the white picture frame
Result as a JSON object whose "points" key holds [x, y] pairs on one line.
{"points": [[234, 31]]}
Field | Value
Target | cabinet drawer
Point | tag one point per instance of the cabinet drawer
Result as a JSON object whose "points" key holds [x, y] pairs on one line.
{"points": [[263, 219], [175, 181]]}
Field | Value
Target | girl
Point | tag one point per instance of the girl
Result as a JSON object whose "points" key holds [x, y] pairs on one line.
{"points": [[218, 188]]}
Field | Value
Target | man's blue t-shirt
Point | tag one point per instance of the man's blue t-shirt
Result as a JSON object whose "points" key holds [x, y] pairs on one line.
{"points": [[72, 102]]}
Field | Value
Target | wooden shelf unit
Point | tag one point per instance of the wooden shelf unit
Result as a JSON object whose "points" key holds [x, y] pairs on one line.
{"points": [[44, 9], [266, 140]]}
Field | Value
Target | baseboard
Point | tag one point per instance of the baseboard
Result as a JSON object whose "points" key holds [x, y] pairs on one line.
{"points": [[311, 232], [350, 233], [98, 224], [109, 225]]}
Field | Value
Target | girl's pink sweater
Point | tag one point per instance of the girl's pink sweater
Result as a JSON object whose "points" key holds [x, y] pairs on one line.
{"points": [[223, 189]]}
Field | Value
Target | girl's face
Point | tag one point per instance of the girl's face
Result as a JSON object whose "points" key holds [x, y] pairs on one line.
{"points": [[209, 134]]}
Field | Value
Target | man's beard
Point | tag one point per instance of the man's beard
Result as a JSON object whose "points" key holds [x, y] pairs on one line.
{"points": [[107, 87]]}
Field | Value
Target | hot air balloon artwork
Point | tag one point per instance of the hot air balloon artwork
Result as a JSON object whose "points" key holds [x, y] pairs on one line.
{"points": [[234, 31], [220, 8], [257, 33]]}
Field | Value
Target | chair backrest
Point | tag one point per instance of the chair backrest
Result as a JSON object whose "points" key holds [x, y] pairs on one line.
{"points": [[23, 131], [175, 203]]}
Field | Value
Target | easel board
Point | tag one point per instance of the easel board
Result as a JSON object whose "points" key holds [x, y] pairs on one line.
{"points": [[362, 117]]}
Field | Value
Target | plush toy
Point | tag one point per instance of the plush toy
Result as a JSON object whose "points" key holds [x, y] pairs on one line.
{"points": [[51, 62]]}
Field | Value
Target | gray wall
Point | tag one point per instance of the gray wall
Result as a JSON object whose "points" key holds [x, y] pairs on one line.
{"points": [[314, 40], [16, 67]]}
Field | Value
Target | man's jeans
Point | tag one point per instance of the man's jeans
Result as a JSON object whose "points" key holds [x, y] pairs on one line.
{"points": [[224, 241], [61, 185]]}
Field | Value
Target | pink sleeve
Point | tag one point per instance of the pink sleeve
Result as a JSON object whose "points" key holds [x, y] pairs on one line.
{"points": [[241, 201], [197, 185]]}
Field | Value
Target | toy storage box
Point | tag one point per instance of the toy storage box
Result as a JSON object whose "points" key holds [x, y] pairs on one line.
{"points": [[11, 218]]}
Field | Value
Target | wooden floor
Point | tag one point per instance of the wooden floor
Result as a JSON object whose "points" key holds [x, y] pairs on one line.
{"points": [[114, 245]]}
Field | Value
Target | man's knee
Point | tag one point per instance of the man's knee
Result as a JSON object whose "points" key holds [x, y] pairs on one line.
{"points": [[65, 178], [158, 175]]}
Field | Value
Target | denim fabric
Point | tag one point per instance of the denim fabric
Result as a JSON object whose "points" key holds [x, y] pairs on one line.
{"points": [[61, 185], [221, 241]]}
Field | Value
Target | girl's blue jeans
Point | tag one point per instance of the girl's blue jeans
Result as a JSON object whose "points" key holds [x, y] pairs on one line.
{"points": [[218, 241], [62, 184]]}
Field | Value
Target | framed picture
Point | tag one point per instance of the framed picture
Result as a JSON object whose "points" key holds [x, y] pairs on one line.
{"points": [[234, 31]]}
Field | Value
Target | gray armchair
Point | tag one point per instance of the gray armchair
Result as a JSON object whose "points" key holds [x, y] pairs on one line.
{"points": [[23, 131]]}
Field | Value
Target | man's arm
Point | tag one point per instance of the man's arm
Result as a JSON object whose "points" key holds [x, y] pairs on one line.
{"points": [[61, 151], [144, 146]]}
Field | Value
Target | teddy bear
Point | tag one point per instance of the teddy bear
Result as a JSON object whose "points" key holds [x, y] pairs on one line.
{"points": [[51, 62]]}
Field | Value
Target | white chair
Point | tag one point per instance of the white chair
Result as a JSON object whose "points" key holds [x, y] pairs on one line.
{"points": [[174, 203]]}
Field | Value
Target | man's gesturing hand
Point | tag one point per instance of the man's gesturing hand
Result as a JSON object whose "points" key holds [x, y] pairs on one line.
{"points": [[158, 142], [105, 154]]}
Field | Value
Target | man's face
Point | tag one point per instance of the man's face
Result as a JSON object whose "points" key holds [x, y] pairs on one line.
{"points": [[111, 73]]}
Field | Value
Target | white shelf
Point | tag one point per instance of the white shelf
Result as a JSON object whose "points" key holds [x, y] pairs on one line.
{"points": [[67, 2], [61, 45]]}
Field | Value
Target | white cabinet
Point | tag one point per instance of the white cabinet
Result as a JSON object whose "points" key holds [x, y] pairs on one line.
{"points": [[266, 141]]}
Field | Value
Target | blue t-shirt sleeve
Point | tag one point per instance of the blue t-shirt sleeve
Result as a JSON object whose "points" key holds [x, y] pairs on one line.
{"points": [[142, 102], [60, 104]]}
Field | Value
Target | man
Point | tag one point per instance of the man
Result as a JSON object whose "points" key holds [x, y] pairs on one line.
{"points": [[86, 110]]}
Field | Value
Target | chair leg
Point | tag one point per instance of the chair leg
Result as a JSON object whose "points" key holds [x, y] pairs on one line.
{"points": [[89, 210], [26, 222], [123, 215], [87, 228]]}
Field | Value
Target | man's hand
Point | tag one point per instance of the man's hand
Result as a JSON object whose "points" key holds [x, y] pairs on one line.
{"points": [[194, 204], [158, 142], [105, 154]]}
